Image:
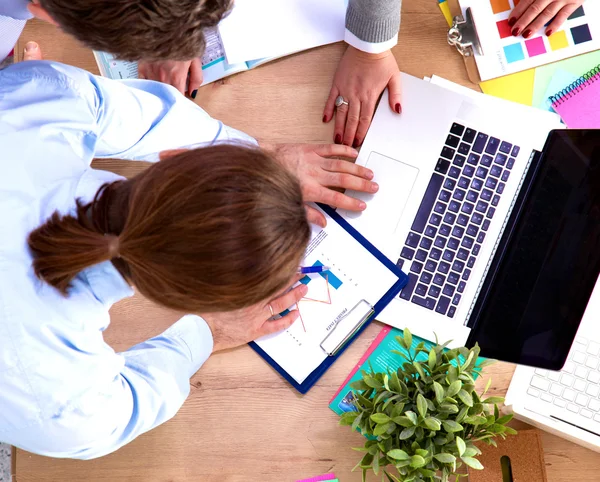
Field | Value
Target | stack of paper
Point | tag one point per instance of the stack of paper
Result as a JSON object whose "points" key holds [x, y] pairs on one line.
{"points": [[272, 28]]}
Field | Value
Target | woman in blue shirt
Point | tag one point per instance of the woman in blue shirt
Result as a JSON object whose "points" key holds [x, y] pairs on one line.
{"points": [[218, 229]]}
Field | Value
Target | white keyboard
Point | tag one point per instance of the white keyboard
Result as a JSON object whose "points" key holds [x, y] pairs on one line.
{"points": [[576, 387]]}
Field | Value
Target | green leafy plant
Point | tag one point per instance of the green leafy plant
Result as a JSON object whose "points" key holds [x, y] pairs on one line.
{"points": [[423, 420]]}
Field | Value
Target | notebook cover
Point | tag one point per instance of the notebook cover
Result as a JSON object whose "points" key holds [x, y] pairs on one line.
{"points": [[579, 104], [526, 455]]}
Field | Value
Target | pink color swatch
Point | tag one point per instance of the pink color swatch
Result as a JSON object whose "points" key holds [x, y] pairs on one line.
{"points": [[535, 46]]}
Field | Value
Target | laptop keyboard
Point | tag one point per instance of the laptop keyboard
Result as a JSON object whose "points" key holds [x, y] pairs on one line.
{"points": [[454, 216], [576, 387]]}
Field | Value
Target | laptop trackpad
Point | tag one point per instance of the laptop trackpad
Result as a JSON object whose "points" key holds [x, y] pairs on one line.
{"points": [[384, 208]]}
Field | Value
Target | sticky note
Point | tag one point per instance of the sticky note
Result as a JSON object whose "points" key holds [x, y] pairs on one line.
{"points": [[516, 87], [558, 40], [499, 6], [581, 34], [514, 52], [577, 13], [503, 29], [535, 46]]}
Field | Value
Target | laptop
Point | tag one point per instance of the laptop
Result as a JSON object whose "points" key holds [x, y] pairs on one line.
{"points": [[494, 212]]}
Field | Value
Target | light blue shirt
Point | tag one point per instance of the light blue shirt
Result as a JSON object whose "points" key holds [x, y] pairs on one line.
{"points": [[13, 14], [63, 391]]}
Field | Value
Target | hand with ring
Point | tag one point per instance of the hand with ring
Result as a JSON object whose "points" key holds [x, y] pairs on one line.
{"points": [[359, 81], [236, 328]]}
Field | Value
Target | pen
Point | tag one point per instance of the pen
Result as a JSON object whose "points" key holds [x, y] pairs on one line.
{"points": [[312, 269]]}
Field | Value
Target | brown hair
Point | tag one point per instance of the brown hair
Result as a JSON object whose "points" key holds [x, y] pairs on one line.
{"points": [[139, 30], [211, 229]]}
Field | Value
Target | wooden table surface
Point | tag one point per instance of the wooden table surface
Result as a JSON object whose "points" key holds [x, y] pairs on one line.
{"points": [[242, 422]]}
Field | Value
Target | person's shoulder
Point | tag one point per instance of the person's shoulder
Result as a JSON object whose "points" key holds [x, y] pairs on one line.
{"points": [[47, 73]]}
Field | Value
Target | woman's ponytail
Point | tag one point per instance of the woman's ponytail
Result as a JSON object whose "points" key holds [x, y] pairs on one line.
{"points": [[66, 245]]}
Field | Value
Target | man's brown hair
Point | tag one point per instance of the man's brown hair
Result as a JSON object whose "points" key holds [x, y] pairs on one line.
{"points": [[139, 29], [207, 230]]}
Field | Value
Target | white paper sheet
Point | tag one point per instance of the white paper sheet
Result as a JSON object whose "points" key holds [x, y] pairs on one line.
{"points": [[504, 54], [273, 28], [355, 275]]}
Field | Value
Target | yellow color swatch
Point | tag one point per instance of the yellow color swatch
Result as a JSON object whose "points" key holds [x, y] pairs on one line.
{"points": [[515, 87], [558, 40]]}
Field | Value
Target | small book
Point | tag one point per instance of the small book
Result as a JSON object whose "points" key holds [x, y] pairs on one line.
{"points": [[214, 62], [579, 104]]}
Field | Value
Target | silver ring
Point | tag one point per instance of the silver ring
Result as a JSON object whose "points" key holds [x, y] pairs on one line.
{"points": [[339, 101], [271, 310]]}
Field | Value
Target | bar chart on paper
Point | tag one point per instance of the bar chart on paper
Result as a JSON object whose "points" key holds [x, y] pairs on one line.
{"points": [[506, 54]]}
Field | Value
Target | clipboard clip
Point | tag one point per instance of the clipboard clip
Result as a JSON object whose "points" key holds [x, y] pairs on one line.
{"points": [[463, 35], [346, 327]]}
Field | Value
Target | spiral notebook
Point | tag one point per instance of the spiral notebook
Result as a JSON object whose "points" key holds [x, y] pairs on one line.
{"points": [[579, 104]]}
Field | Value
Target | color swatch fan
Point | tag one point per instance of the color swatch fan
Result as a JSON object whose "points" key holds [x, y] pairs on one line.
{"points": [[505, 54], [579, 104]]}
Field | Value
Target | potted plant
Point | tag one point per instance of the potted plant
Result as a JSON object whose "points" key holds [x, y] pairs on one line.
{"points": [[422, 421]]}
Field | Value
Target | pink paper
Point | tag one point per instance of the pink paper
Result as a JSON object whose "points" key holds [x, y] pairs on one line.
{"points": [[319, 478], [580, 108]]}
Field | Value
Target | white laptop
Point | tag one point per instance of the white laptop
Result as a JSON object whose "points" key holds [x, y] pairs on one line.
{"points": [[478, 203]]}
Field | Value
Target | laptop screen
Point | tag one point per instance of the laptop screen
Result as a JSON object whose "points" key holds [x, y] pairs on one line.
{"points": [[548, 259]]}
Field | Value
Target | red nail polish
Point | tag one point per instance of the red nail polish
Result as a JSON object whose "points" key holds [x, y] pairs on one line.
{"points": [[527, 33], [398, 108], [355, 143], [324, 118], [338, 139], [549, 32], [515, 32], [512, 21]]}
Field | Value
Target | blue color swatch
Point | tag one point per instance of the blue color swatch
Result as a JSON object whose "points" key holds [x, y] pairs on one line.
{"points": [[514, 53]]}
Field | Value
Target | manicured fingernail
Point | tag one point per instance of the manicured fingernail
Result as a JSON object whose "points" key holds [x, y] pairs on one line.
{"points": [[527, 33], [374, 187], [194, 94], [512, 21], [398, 108], [324, 118], [516, 31], [31, 46], [338, 139], [549, 32], [303, 289], [369, 174], [362, 206], [355, 143]]}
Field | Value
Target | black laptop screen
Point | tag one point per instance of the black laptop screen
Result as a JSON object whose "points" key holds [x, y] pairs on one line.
{"points": [[548, 259]]}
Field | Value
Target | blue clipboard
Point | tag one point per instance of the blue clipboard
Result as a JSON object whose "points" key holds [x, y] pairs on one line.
{"points": [[377, 308]]}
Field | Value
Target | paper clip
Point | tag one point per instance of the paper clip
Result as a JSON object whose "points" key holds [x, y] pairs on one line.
{"points": [[346, 327]]}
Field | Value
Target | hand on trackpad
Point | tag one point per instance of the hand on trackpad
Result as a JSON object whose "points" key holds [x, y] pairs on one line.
{"points": [[384, 209]]}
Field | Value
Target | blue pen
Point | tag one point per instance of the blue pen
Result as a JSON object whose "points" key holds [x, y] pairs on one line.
{"points": [[312, 269]]}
